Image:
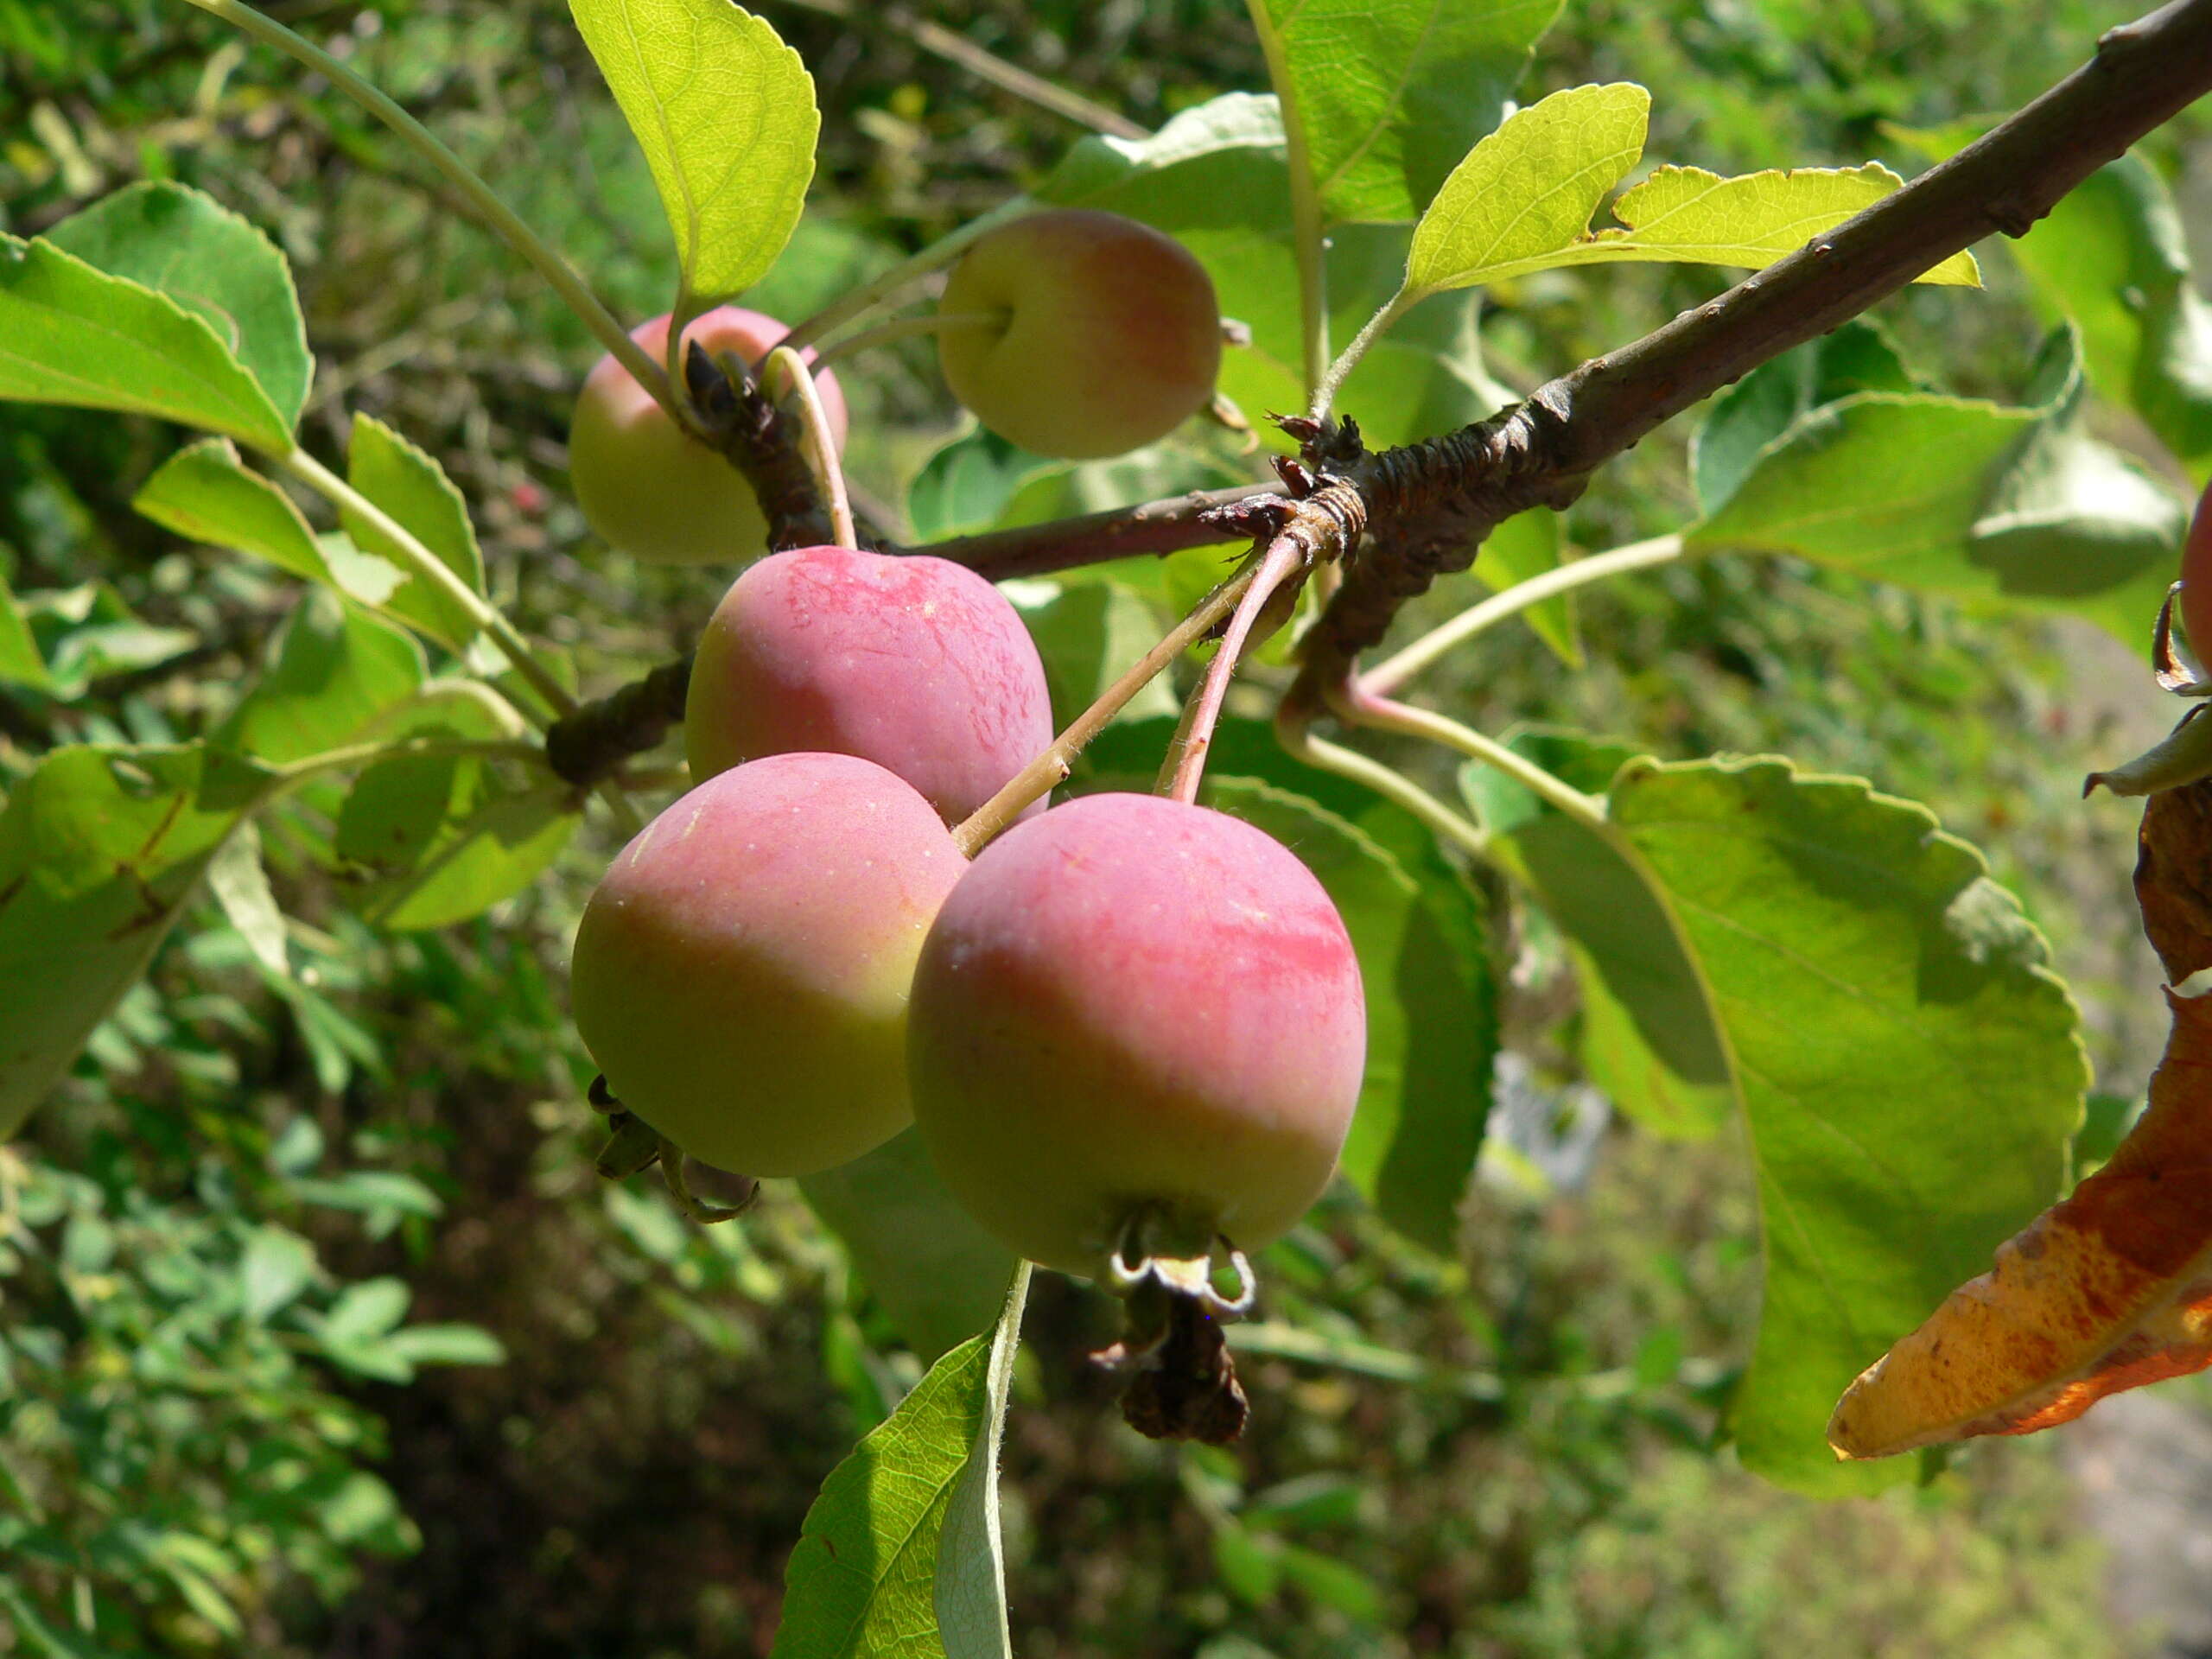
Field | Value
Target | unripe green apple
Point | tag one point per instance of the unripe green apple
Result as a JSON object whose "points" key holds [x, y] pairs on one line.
{"points": [[915, 664], [1130, 1005], [649, 488], [741, 974], [2196, 581], [1105, 335]]}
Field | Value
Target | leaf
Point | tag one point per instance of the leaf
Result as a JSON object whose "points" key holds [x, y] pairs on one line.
{"points": [[1525, 545], [1908, 1067], [1523, 198], [1088, 633], [445, 839], [21, 663], [1387, 95], [2112, 256], [2108, 1291], [725, 113], [1431, 1019], [367, 1310], [100, 851], [938, 1277], [862, 1578], [967, 484], [414, 490], [275, 1269], [215, 263], [1688, 215], [970, 1593], [1952, 495], [335, 673], [204, 492], [1526, 191], [241, 887], [1650, 1040], [1098, 166], [72, 335], [88, 633], [1758, 408], [447, 1344]]}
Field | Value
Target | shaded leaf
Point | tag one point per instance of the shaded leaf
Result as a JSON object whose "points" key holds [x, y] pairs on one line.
{"points": [[1527, 544], [725, 113], [335, 673], [1431, 1018], [971, 1594], [937, 1275], [217, 265], [447, 838], [240, 886], [21, 661], [1089, 633], [100, 851], [72, 335]]}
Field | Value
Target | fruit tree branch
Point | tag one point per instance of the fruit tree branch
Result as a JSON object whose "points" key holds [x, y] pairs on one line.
{"points": [[1542, 452]]}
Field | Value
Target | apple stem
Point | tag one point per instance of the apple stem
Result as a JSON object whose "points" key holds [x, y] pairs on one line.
{"points": [[858, 302], [1185, 766], [904, 329], [1293, 721], [1356, 705], [1050, 769], [817, 444], [1395, 670]]}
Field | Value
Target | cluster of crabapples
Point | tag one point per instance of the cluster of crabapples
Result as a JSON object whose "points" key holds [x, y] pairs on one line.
{"points": [[1126, 1011]]}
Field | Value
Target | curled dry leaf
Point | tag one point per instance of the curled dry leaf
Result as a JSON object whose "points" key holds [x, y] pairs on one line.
{"points": [[2112, 1289]]}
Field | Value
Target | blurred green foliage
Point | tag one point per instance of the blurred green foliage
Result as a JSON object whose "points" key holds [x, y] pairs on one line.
{"points": [[1508, 1454]]}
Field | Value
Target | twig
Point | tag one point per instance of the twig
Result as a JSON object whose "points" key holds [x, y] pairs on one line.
{"points": [[1160, 527], [987, 65], [1186, 762]]}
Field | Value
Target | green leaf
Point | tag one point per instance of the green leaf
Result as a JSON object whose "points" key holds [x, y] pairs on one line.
{"points": [[967, 484], [1431, 1018], [447, 1344], [1099, 168], [240, 886], [1387, 95], [1089, 633], [1758, 408], [725, 113], [1526, 192], [862, 1580], [970, 1593], [370, 1309], [100, 849], [335, 673], [1649, 1038], [938, 1277], [444, 838], [214, 262], [1908, 1067], [1951, 495], [1525, 545], [276, 1267], [414, 490], [88, 633], [2112, 256], [204, 491], [21, 662], [72, 335]]}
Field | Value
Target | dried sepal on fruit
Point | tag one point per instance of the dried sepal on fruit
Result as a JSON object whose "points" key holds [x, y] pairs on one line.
{"points": [[2111, 1289]]}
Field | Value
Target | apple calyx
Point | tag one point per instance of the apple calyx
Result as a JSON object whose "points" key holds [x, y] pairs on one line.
{"points": [[634, 1146], [1183, 1380]]}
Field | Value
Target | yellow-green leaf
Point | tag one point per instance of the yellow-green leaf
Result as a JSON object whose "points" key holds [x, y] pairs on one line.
{"points": [[725, 113], [1529, 189]]}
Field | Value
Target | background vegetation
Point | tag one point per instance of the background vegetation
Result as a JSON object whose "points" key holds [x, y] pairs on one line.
{"points": [[318, 1335]]}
